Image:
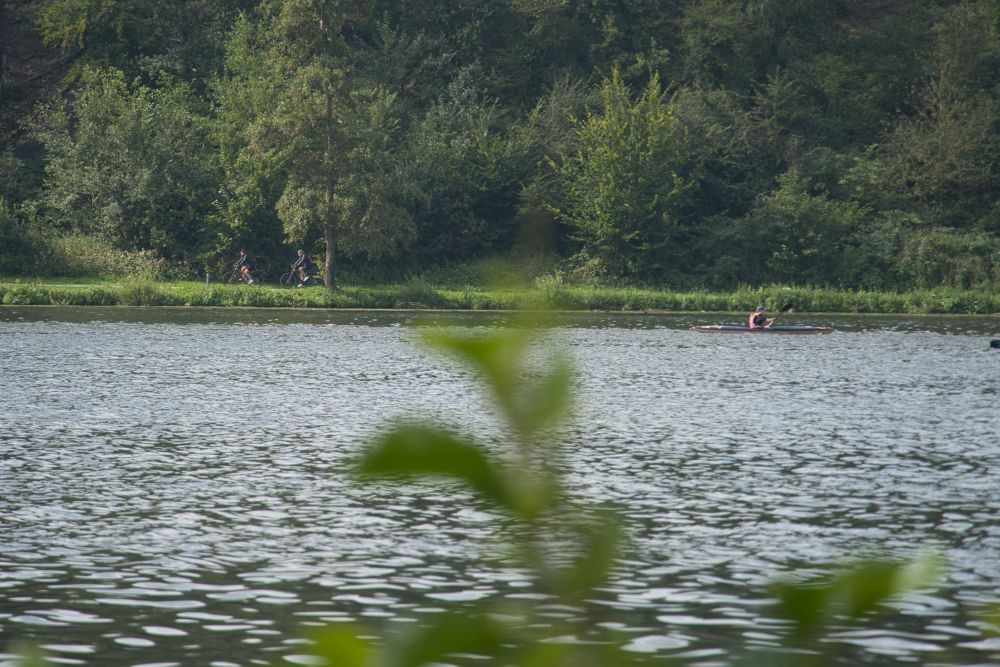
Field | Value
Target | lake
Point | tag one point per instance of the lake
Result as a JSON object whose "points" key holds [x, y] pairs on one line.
{"points": [[174, 487]]}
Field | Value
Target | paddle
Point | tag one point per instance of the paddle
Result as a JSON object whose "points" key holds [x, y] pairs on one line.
{"points": [[787, 308]]}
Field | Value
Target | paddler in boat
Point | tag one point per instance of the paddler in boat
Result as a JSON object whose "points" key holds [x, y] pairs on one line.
{"points": [[758, 319]]}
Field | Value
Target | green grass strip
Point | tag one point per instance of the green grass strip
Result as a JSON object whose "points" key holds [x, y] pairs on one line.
{"points": [[544, 295]]}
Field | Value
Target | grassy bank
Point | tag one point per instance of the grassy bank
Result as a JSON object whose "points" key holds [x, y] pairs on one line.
{"points": [[544, 294]]}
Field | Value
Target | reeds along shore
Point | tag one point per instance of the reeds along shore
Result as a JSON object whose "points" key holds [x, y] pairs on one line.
{"points": [[544, 295]]}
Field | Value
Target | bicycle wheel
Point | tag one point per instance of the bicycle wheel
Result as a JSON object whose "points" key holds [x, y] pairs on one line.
{"points": [[287, 279], [232, 277]]}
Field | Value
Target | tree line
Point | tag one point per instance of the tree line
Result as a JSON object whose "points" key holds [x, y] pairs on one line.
{"points": [[713, 143]]}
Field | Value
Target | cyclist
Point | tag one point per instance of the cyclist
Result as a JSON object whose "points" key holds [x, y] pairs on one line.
{"points": [[246, 268], [303, 266]]}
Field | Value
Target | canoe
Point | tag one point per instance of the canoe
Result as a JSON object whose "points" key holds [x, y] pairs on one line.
{"points": [[777, 328]]}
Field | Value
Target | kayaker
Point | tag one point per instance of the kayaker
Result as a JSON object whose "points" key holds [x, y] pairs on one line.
{"points": [[758, 319]]}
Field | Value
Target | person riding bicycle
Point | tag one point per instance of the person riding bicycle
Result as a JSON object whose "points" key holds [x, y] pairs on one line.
{"points": [[246, 268], [303, 266]]}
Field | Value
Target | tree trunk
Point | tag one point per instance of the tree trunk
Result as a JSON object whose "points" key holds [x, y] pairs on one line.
{"points": [[329, 224]]}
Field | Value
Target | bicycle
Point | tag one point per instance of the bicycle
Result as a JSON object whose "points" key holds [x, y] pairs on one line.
{"points": [[292, 278], [234, 276]]}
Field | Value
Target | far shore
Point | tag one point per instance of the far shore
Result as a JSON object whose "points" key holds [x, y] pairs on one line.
{"points": [[551, 294]]}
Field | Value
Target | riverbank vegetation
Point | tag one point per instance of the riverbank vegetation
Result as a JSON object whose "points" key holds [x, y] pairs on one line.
{"points": [[546, 293], [701, 145]]}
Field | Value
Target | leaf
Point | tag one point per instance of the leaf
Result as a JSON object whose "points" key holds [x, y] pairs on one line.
{"points": [[29, 655], [601, 542], [455, 632], [869, 585], [340, 647], [853, 593], [426, 450], [546, 655], [921, 572], [803, 604], [992, 620], [497, 358], [561, 654], [547, 400]]}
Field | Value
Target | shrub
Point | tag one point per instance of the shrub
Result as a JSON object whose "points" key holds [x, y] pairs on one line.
{"points": [[417, 293], [18, 295], [552, 292], [143, 293], [946, 257], [91, 296], [80, 255], [22, 247]]}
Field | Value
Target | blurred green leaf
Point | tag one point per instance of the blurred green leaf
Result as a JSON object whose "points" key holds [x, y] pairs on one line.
{"points": [[456, 632], [547, 399], [853, 593], [561, 654], [499, 359], [803, 604], [601, 542], [546, 655], [532, 495], [340, 647], [496, 357], [921, 572], [861, 590], [417, 450], [28, 655], [992, 618]]}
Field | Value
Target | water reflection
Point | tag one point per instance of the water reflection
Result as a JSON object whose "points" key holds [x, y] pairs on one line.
{"points": [[172, 482]]}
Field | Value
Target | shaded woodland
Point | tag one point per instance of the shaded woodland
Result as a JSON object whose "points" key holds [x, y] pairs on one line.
{"points": [[709, 143]]}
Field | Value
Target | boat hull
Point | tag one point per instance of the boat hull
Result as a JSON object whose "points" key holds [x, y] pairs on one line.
{"points": [[778, 329]]}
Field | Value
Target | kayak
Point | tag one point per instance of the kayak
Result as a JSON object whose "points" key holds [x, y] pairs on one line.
{"points": [[778, 328]]}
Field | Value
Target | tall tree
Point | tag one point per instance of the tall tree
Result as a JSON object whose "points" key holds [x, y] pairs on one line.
{"points": [[130, 163], [324, 131], [316, 60], [245, 96], [623, 186]]}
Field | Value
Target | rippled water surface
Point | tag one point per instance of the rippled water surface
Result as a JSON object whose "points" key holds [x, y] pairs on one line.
{"points": [[173, 487]]}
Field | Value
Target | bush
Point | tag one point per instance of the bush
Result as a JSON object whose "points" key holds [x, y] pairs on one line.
{"points": [[91, 296], [417, 293], [79, 255], [22, 247], [144, 293], [553, 293], [22, 295], [513, 269], [946, 257]]}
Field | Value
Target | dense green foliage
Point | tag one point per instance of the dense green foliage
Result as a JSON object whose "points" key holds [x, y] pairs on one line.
{"points": [[716, 143]]}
